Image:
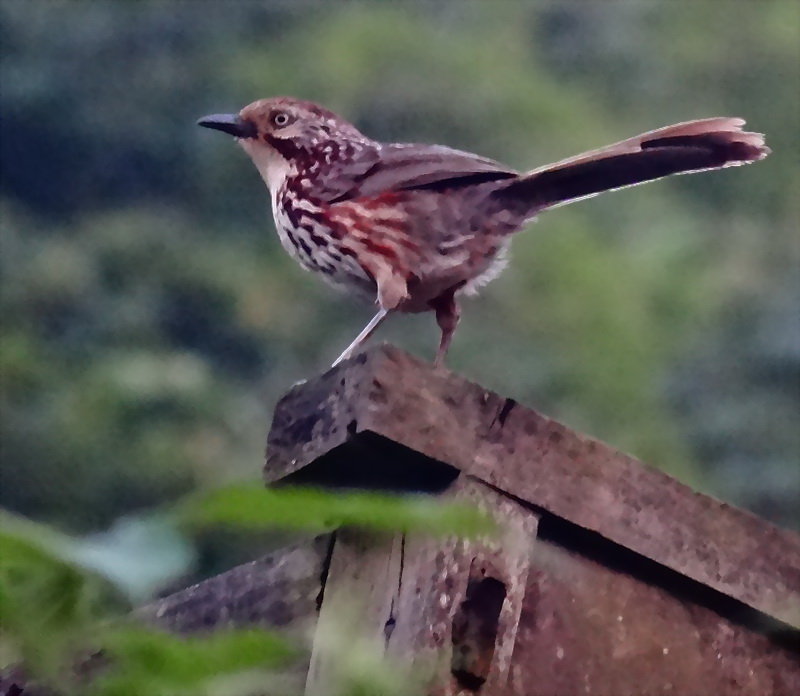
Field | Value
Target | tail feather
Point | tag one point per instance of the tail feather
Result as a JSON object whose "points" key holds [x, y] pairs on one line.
{"points": [[693, 146]]}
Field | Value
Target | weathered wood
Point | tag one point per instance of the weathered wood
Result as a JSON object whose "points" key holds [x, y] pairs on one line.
{"points": [[609, 576], [280, 590], [448, 610], [545, 609], [450, 424], [588, 628], [360, 591]]}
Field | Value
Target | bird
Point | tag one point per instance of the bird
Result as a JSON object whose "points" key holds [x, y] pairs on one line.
{"points": [[413, 227]]}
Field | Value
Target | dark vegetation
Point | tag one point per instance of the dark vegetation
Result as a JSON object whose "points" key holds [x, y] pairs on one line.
{"points": [[150, 318]]}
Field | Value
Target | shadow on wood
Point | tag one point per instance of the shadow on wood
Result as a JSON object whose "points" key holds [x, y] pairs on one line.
{"points": [[610, 577]]}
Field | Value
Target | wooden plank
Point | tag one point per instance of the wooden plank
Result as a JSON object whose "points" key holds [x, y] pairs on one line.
{"points": [[543, 463], [422, 602], [586, 628], [277, 591], [358, 601]]}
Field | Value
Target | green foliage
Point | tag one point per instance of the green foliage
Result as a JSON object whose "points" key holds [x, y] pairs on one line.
{"points": [[49, 603], [59, 620], [58, 611], [143, 294], [150, 319], [146, 661], [249, 506]]}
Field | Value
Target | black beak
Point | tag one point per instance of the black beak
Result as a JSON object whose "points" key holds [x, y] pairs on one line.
{"points": [[229, 123]]}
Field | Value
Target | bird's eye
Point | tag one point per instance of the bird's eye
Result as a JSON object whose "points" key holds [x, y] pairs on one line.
{"points": [[281, 118]]}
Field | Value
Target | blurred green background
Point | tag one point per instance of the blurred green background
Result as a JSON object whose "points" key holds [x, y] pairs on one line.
{"points": [[151, 319]]}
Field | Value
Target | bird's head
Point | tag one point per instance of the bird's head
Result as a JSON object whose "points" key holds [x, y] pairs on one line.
{"points": [[282, 134]]}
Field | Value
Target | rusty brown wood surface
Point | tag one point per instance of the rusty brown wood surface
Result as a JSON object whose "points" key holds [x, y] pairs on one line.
{"points": [[531, 613], [590, 629], [280, 590], [447, 611], [387, 395], [607, 577]]}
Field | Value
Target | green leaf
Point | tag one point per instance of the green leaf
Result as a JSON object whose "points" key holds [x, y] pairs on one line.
{"points": [[164, 663], [48, 602], [250, 506]]}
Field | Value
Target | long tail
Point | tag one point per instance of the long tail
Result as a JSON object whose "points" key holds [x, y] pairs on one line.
{"points": [[694, 146]]}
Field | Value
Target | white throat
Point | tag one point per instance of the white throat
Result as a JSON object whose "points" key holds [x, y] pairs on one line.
{"points": [[273, 167]]}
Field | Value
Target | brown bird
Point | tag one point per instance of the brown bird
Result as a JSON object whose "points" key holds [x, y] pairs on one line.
{"points": [[411, 227]]}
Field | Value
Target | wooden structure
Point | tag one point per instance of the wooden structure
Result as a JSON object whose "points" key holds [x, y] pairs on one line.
{"points": [[610, 577]]}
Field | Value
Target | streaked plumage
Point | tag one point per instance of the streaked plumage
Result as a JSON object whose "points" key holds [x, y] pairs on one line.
{"points": [[411, 226]]}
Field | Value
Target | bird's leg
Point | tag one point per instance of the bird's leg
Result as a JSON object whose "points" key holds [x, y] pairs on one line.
{"points": [[367, 331], [447, 315]]}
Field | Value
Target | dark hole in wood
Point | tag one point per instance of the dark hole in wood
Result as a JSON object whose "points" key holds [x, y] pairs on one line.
{"points": [[388, 628], [370, 461], [475, 627]]}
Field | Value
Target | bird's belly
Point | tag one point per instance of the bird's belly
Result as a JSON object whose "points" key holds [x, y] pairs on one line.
{"points": [[466, 279], [316, 249], [428, 246]]}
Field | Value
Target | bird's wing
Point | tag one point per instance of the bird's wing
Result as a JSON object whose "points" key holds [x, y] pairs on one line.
{"points": [[400, 167]]}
